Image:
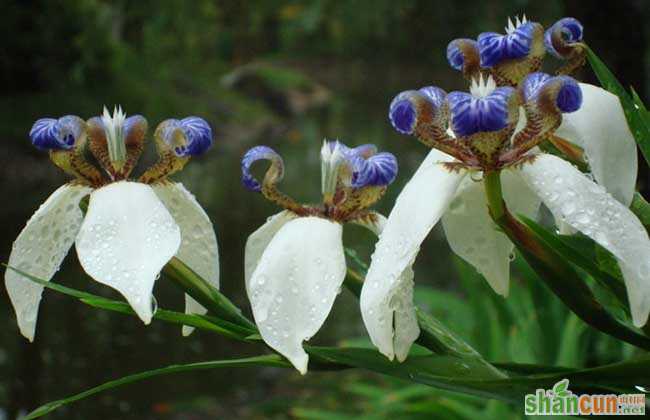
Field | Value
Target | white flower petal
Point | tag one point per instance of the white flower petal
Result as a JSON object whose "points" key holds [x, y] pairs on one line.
{"points": [[418, 208], [295, 283], [406, 323], [474, 237], [39, 250], [125, 240], [260, 239], [199, 249], [600, 128], [587, 207]]}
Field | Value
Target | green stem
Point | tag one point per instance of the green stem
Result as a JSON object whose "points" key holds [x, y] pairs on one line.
{"points": [[204, 293], [492, 181], [553, 269]]}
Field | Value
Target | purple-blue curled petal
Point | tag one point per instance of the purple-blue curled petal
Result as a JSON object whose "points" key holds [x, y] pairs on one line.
{"points": [[434, 94], [568, 95], [455, 55], [533, 83], [494, 48], [199, 135], [409, 106], [569, 98], [253, 155], [569, 29], [378, 170], [402, 112], [56, 134], [470, 115]]}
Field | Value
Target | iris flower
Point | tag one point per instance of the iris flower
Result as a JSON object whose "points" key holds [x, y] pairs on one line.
{"points": [[495, 129], [131, 228], [294, 263]]}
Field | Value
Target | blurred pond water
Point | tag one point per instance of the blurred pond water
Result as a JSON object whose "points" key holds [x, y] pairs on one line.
{"points": [[78, 347]]}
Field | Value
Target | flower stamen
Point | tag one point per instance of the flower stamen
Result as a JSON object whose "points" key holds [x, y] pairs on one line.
{"points": [[114, 129]]}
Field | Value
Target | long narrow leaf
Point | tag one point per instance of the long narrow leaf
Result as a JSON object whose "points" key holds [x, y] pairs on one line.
{"points": [[637, 117], [270, 360], [205, 293], [207, 323], [449, 373], [561, 245]]}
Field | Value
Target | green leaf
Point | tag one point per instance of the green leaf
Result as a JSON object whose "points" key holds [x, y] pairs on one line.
{"points": [[450, 373], [570, 352], [204, 293], [566, 246], [197, 321], [270, 360], [641, 208], [635, 113], [553, 267]]}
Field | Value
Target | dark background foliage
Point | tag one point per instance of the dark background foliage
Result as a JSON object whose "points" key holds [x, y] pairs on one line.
{"points": [[283, 73]]}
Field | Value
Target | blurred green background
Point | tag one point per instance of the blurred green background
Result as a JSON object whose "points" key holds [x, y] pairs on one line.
{"points": [[286, 74]]}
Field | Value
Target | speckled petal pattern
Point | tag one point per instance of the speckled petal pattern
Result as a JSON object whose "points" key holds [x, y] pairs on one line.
{"points": [[39, 250], [294, 285], [587, 207], [199, 249]]}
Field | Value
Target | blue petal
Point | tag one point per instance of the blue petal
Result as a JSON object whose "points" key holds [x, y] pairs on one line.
{"points": [[567, 30], [471, 115], [56, 134], [568, 95], [494, 48], [533, 83], [455, 54], [410, 106], [196, 131], [252, 156], [434, 94], [569, 98], [378, 170], [402, 112]]}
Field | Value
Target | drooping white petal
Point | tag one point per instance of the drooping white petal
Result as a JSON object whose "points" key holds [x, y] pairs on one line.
{"points": [[587, 207], [125, 240], [260, 239], [294, 285], [418, 208], [406, 324], [474, 237], [199, 249], [600, 128], [39, 250]]}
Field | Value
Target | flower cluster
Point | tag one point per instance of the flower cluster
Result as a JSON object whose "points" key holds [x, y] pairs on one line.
{"points": [[131, 229], [511, 110]]}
